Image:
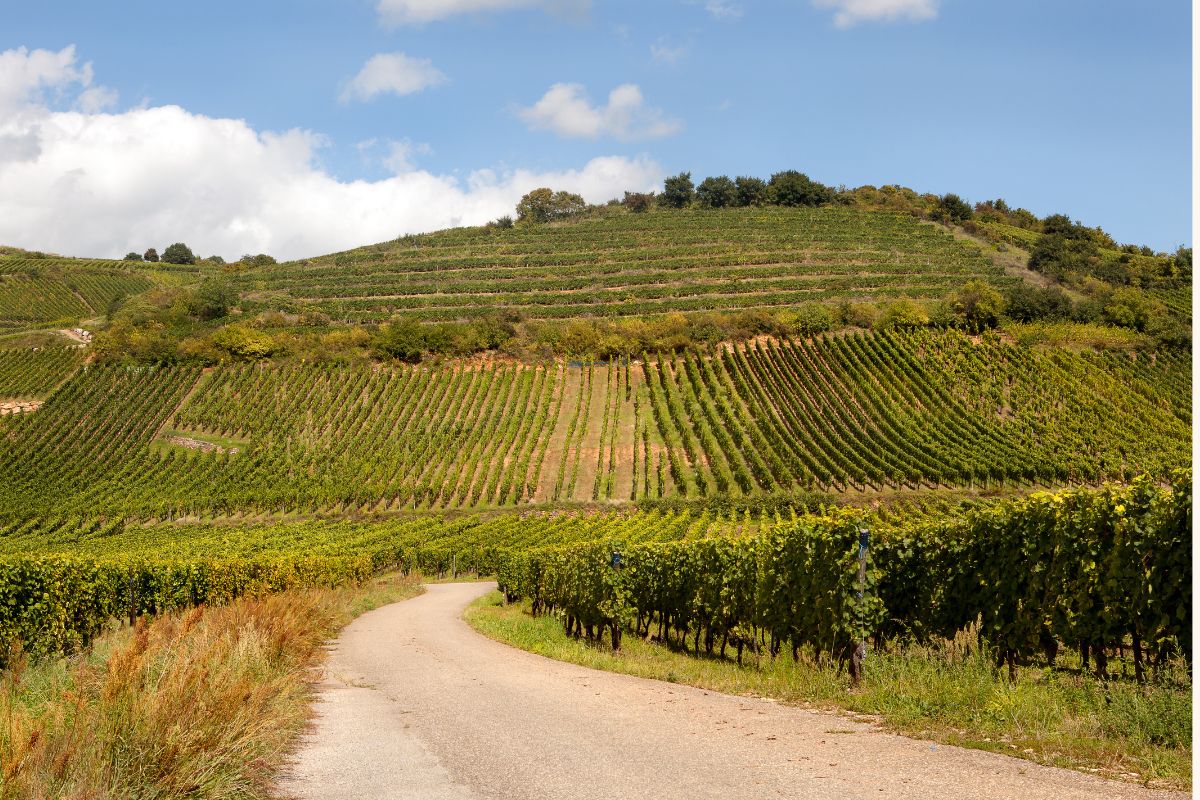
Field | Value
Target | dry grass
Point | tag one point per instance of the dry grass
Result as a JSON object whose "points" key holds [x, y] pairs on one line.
{"points": [[203, 703]]}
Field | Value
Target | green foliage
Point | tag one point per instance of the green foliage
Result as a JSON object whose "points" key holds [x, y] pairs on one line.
{"points": [[1095, 567], [150, 255], [952, 208], [792, 188], [719, 192], [178, 253], [978, 306], [751, 191], [1025, 302], [678, 191], [245, 343], [403, 340], [133, 256], [546, 205], [260, 260], [212, 299]]}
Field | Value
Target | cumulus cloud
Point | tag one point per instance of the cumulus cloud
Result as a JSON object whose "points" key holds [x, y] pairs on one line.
{"points": [[26, 75], [103, 183], [567, 110], [417, 12], [393, 73], [851, 12]]}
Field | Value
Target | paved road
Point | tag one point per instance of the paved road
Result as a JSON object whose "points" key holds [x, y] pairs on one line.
{"points": [[418, 705]]}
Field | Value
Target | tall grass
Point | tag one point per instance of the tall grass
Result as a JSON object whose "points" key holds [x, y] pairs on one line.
{"points": [[202, 703]]}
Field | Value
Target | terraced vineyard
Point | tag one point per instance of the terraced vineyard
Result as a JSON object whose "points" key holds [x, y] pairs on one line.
{"points": [[631, 264], [41, 291], [844, 413]]}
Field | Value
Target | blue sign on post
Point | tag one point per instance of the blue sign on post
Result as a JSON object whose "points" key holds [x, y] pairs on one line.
{"points": [[616, 560]]}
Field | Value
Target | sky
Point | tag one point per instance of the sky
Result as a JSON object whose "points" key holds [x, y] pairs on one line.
{"points": [[309, 126]]}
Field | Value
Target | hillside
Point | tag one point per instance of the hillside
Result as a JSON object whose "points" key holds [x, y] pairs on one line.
{"points": [[844, 413], [620, 264]]}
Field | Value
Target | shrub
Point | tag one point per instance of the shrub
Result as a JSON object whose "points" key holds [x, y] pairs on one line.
{"points": [[133, 256], [751, 191], [952, 208], [678, 191], [638, 202], [178, 253], [248, 344], [401, 339], [212, 299], [150, 255], [545, 205], [792, 188], [719, 192]]}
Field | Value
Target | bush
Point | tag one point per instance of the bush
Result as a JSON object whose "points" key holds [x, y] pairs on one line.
{"points": [[402, 339], [978, 306], [638, 202], [545, 205], [678, 191], [212, 299], [1028, 303], [792, 188], [178, 253], [503, 223], [133, 257], [952, 208], [260, 260], [248, 344], [150, 255], [719, 192], [751, 191]]}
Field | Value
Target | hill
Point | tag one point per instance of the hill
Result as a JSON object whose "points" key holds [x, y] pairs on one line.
{"points": [[621, 264]]}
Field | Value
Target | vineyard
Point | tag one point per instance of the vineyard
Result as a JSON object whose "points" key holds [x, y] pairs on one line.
{"points": [[1089, 568], [37, 292], [631, 265], [856, 413]]}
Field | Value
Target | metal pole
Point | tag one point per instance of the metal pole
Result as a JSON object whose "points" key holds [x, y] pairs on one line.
{"points": [[860, 654]]}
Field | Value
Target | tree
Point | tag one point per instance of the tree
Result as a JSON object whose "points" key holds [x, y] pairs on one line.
{"points": [[212, 299], [718, 192], [178, 253], [401, 339], [1028, 303], [133, 256], [751, 191], [678, 191], [546, 205], [792, 188], [978, 306], [260, 260], [150, 255], [638, 202], [952, 208]]}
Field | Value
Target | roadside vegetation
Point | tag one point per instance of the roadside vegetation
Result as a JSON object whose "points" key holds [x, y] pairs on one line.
{"points": [[204, 702], [948, 692]]}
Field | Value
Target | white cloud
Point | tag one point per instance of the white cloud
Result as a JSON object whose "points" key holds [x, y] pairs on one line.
{"points": [[417, 12], [851, 12], [724, 10], [664, 52], [566, 109], [102, 184], [25, 74], [392, 72]]}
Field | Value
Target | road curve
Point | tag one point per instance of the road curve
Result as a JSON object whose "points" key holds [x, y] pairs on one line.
{"points": [[416, 704]]}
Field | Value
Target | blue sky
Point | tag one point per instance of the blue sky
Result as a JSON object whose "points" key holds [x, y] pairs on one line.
{"points": [[1071, 106]]}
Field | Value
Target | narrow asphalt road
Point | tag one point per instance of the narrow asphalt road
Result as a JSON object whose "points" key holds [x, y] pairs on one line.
{"points": [[418, 705]]}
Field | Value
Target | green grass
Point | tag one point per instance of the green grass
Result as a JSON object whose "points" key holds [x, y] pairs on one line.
{"points": [[950, 694]]}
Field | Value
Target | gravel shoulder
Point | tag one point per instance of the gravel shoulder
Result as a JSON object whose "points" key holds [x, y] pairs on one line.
{"points": [[416, 704]]}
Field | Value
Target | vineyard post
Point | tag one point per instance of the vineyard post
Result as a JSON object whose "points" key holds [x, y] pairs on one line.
{"points": [[130, 606], [454, 565], [860, 651]]}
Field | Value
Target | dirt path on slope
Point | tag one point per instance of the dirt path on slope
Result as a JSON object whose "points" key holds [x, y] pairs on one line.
{"points": [[418, 705]]}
